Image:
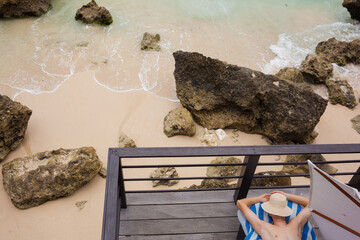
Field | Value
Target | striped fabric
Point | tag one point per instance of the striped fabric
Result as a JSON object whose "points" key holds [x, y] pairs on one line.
{"points": [[307, 233]]}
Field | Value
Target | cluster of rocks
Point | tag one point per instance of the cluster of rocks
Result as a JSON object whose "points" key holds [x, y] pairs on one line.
{"points": [[220, 95], [89, 13], [318, 69]]}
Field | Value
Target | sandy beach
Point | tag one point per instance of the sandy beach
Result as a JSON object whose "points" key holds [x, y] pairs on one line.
{"points": [[83, 113], [86, 95]]}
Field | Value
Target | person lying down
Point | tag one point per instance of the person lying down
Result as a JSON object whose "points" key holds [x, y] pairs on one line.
{"points": [[275, 204]]}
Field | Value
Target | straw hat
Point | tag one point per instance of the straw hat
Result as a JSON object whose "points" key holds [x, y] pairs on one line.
{"points": [[277, 205]]}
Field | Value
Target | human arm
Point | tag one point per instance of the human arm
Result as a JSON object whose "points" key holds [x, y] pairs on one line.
{"points": [[253, 219]]}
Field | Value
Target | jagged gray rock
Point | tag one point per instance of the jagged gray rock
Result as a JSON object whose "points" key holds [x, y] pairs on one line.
{"points": [[340, 92], [166, 172], [13, 125], [46, 176], [353, 6], [23, 8], [220, 95], [92, 13], [179, 122]]}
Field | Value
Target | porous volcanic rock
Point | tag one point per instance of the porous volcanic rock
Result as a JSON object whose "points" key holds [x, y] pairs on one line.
{"points": [[303, 168], [224, 171], [356, 123], [165, 172], [221, 95], [92, 13], [316, 69], [340, 92], [179, 122], [45, 176], [291, 74], [150, 42], [353, 6], [339, 52], [125, 141], [271, 181], [13, 125], [211, 183], [23, 8]]}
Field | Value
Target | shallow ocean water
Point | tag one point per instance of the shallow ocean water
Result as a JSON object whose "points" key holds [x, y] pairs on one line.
{"points": [[39, 54]]}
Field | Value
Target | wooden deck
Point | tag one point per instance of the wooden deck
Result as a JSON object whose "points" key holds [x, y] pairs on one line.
{"points": [[183, 215]]}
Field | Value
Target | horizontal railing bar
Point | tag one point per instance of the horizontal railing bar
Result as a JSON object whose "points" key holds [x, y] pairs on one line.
{"points": [[185, 165], [236, 150], [239, 164], [212, 189], [305, 163], [229, 177]]}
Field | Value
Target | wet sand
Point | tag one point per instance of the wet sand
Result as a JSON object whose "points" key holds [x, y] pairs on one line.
{"points": [[83, 113]]}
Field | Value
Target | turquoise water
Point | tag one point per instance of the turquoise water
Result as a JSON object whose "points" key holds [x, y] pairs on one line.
{"points": [[38, 55]]}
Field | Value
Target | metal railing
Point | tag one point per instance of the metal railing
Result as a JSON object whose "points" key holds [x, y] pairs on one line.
{"points": [[115, 195]]}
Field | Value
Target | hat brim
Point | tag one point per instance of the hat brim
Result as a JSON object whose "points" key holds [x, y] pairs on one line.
{"points": [[283, 212]]}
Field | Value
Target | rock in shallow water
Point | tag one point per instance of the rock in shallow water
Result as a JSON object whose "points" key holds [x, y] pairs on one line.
{"points": [[32, 181], [220, 95], [13, 124], [92, 13], [23, 8]]}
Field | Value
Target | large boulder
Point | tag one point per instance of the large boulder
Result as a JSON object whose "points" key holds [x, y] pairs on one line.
{"points": [[211, 183], [179, 122], [221, 95], [339, 52], [353, 6], [340, 92], [45, 176], [13, 124], [316, 69], [23, 8], [303, 168], [92, 13]]}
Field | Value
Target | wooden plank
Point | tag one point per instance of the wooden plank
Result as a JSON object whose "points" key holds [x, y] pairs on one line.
{"points": [[236, 150], [179, 197], [110, 227], [179, 226], [179, 211], [203, 236]]}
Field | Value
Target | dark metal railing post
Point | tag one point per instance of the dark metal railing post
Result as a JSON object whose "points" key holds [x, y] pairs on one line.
{"points": [[111, 216], [122, 195], [247, 173], [355, 180]]}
